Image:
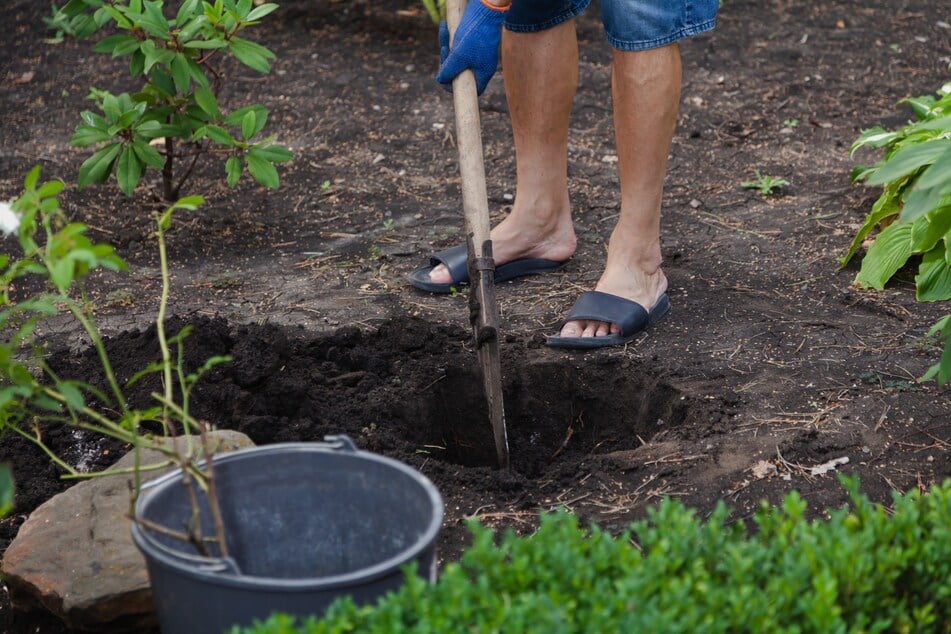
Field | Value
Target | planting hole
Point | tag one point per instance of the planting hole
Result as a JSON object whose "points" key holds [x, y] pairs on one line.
{"points": [[553, 410]]}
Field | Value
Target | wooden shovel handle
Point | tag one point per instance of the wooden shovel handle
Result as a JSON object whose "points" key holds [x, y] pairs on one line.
{"points": [[483, 309]]}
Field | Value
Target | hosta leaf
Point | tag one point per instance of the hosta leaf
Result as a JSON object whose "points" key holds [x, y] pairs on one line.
{"points": [[874, 137], [888, 253], [907, 160], [938, 174], [262, 171], [885, 206], [918, 202], [96, 168], [927, 230], [933, 282]]}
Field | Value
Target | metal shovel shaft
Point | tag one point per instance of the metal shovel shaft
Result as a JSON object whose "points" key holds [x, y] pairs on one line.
{"points": [[483, 308]]}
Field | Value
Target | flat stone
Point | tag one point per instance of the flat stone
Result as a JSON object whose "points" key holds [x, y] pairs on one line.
{"points": [[75, 556]]}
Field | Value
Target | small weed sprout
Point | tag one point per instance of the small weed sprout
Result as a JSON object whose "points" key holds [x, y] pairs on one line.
{"points": [[767, 185]]}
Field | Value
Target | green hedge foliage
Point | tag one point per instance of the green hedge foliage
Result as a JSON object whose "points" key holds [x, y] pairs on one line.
{"points": [[864, 569]]}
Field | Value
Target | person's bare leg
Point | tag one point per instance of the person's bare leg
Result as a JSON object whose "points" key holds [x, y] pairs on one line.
{"points": [[646, 93], [541, 75]]}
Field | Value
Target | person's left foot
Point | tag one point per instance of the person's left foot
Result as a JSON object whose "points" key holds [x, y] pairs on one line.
{"points": [[644, 289], [615, 320]]}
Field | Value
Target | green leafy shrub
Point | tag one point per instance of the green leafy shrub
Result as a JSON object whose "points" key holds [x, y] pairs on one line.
{"points": [[866, 569], [175, 117], [914, 209]]}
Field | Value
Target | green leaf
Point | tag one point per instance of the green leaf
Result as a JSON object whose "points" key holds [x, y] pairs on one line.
{"points": [[86, 135], [248, 124], [128, 170], [196, 72], [216, 134], [6, 489], [251, 54], [206, 44], [189, 9], [191, 203], [117, 44], [941, 371], [259, 12], [180, 74], [262, 171], [918, 202], [74, 397], [233, 170], [61, 274], [927, 230], [939, 173], [97, 167], [205, 99], [273, 153], [50, 189], [874, 137], [907, 160], [153, 21], [31, 178], [148, 154], [933, 282], [888, 253], [885, 206], [137, 63]]}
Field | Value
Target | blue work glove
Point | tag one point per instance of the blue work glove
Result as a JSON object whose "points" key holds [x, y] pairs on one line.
{"points": [[475, 45]]}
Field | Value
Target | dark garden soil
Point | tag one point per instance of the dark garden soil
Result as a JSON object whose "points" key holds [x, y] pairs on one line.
{"points": [[770, 363]]}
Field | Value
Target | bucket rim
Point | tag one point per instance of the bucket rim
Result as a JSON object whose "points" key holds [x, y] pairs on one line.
{"points": [[220, 570]]}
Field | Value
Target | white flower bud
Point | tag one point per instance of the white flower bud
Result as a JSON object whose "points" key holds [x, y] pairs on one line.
{"points": [[9, 220]]}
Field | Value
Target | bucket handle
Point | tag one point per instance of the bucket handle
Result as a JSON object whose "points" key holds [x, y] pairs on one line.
{"points": [[340, 442]]}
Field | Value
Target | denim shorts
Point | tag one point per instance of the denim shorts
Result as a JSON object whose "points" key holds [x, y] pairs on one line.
{"points": [[629, 25]]}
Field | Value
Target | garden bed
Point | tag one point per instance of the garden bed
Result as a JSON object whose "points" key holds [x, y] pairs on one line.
{"points": [[770, 364]]}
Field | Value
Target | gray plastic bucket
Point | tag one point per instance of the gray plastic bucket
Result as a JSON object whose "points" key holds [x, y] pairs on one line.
{"points": [[306, 523]]}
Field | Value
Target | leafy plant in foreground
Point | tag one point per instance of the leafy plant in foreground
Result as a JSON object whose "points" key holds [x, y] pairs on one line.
{"points": [[866, 569], [175, 117], [61, 256], [913, 211]]}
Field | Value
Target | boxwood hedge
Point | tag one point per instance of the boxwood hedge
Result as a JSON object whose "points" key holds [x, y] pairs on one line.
{"points": [[866, 568]]}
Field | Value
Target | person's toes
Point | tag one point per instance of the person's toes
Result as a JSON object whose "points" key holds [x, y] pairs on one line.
{"points": [[572, 329], [602, 330], [440, 274]]}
